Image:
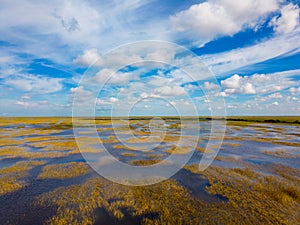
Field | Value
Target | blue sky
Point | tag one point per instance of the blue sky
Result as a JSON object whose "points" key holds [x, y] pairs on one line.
{"points": [[250, 47]]}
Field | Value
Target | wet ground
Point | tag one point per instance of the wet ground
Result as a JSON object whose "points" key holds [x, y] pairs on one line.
{"points": [[259, 146]]}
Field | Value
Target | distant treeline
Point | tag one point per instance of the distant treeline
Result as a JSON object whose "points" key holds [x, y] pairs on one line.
{"points": [[258, 119], [255, 120]]}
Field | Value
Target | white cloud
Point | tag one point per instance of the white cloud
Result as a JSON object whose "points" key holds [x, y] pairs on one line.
{"points": [[22, 103], [163, 55], [248, 89], [170, 91], [266, 83], [80, 96], [35, 83], [288, 20], [150, 54], [44, 28], [26, 97], [81, 91], [275, 103], [104, 75], [92, 57], [232, 82], [89, 57], [295, 90], [276, 95], [221, 63], [108, 76], [62, 29], [32, 104], [160, 81], [144, 95], [190, 87], [259, 83], [108, 101], [210, 86], [113, 99], [213, 18], [238, 85]]}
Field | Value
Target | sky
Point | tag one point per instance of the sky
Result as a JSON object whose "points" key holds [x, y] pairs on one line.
{"points": [[134, 57]]}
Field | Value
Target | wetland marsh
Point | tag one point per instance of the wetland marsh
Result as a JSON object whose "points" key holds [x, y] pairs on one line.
{"points": [[254, 179]]}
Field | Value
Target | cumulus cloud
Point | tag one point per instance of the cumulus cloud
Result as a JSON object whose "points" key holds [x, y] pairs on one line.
{"points": [[153, 53], [22, 103], [295, 90], [288, 20], [92, 57], [238, 85], [144, 95], [81, 91], [31, 104], [214, 18], [160, 80], [259, 83], [232, 82], [170, 91], [108, 76], [108, 101], [113, 99], [267, 83], [79, 96], [89, 57], [35, 83], [276, 95], [268, 98], [210, 86], [26, 97]]}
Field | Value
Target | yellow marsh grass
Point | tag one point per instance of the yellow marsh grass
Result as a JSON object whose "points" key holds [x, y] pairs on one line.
{"points": [[144, 140], [76, 204], [264, 199], [288, 173], [20, 167], [65, 145], [111, 139], [227, 159], [253, 198], [43, 138], [12, 150], [126, 154], [64, 171], [281, 154], [9, 142], [144, 162], [231, 144], [11, 177], [33, 120], [178, 150], [125, 147], [287, 143], [33, 131], [15, 151], [204, 150]]}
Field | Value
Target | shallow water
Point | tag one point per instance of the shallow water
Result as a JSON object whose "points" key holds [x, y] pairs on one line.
{"points": [[243, 146]]}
